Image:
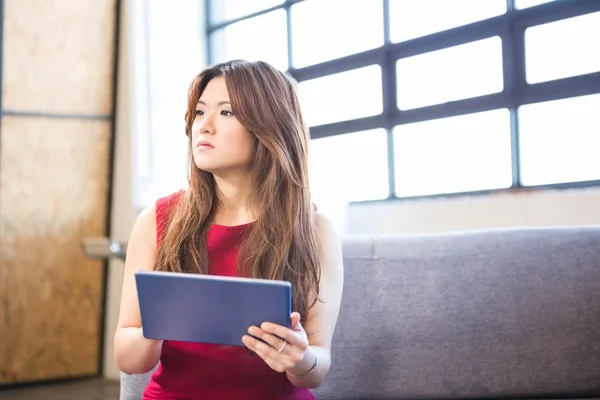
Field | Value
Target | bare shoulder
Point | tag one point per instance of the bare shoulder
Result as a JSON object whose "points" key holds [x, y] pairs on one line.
{"points": [[142, 242], [146, 221], [326, 229], [150, 221], [147, 216], [330, 246]]}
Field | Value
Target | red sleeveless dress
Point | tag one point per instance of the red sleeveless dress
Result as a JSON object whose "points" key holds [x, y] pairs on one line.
{"points": [[196, 371]]}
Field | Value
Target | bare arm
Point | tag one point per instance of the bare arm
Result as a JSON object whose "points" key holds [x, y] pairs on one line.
{"points": [[133, 353], [322, 317]]}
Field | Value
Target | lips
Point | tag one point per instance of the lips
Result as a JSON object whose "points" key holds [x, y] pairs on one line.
{"points": [[204, 145]]}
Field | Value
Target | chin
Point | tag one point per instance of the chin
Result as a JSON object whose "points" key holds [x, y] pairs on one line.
{"points": [[205, 164], [211, 168], [206, 168], [222, 170]]}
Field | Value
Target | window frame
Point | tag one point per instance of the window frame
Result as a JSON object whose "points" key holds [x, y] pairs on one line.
{"points": [[510, 27]]}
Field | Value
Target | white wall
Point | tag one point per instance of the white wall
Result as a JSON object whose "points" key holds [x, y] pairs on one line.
{"points": [[508, 209], [123, 211]]}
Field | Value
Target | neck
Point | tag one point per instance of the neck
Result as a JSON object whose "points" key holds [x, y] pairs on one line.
{"points": [[234, 196]]}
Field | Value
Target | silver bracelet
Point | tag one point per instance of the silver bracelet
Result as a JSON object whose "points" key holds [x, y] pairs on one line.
{"points": [[314, 366]]}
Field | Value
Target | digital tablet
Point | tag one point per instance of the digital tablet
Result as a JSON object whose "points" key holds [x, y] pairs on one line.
{"points": [[208, 308]]}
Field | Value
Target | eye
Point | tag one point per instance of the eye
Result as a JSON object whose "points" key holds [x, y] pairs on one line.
{"points": [[226, 113], [199, 112]]}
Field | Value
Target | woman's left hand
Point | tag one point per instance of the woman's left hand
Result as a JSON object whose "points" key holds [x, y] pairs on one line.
{"points": [[284, 347]]}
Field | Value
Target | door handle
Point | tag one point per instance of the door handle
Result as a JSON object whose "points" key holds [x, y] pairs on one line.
{"points": [[102, 248]]}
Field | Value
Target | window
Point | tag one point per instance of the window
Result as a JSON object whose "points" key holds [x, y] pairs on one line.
{"points": [[402, 102], [456, 154], [562, 49], [560, 141], [317, 37], [225, 10], [413, 19], [520, 4], [261, 38], [353, 164], [459, 72], [163, 68], [344, 96]]}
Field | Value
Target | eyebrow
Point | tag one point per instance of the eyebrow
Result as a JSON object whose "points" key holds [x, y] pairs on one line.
{"points": [[218, 104]]}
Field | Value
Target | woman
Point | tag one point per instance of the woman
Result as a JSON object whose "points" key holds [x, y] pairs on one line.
{"points": [[247, 212]]}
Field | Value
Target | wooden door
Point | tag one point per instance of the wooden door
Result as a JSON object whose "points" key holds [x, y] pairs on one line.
{"points": [[55, 154]]}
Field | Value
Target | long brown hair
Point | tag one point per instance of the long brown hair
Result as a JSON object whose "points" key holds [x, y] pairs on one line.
{"points": [[281, 243]]}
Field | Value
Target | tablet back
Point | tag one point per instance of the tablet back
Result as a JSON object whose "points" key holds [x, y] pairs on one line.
{"points": [[208, 308]]}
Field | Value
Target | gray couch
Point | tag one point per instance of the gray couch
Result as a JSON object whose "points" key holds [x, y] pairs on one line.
{"points": [[511, 313]]}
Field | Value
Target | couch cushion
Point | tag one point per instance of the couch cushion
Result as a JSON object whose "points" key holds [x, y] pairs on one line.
{"points": [[512, 312], [133, 386]]}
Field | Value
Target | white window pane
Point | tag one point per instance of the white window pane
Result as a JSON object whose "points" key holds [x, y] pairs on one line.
{"points": [[262, 38], [326, 29], [349, 167], [225, 10], [458, 72], [344, 96], [169, 155], [457, 154], [560, 141], [410, 19], [521, 4], [564, 48], [160, 142]]}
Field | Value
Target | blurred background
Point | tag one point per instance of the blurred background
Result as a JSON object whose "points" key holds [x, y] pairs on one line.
{"points": [[426, 116]]}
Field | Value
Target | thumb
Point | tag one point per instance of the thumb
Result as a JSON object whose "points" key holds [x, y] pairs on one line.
{"points": [[295, 321]]}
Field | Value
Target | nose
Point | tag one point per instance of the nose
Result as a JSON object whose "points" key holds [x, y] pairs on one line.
{"points": [[207, 125]]}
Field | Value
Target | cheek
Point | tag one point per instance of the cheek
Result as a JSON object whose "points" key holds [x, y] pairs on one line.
{"points": [[195, 128], [244, 142], [247, 144]]}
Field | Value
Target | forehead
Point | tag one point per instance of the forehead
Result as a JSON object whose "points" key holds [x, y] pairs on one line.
{"points": [[216, 89]]}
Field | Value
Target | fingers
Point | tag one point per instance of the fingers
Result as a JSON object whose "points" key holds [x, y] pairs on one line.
{"points": [[293, 336], [275, 342], [295, 321], [271, 363], [269, 339], [269, 360], [278, 361]]}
